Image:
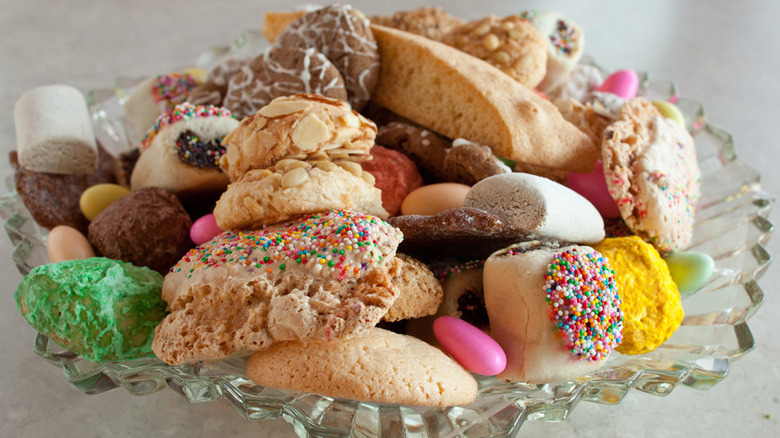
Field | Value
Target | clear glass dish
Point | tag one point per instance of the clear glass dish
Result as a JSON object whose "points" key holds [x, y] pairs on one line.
{"points": [[731, 226]]}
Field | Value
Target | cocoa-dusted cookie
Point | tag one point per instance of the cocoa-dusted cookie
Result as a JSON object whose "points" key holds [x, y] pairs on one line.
{"points": [[511, 43], [282, 71], [242, 291], [466, 232], [293, 188], [213, 90], [344, 36], [422, 146], [303, 126], [395, 175], [429, 21], [376, 365], [53, 199], [439, 160], [468, 163], [148, 227], [651, 171]]}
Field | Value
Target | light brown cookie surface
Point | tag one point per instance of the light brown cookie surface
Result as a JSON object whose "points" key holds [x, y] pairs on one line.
{"points": [[511, 44], [375, 365], [459, 96], [322, 277], [652, 173], [429, 21], [293, 188], [419, 292], [303, 126]]}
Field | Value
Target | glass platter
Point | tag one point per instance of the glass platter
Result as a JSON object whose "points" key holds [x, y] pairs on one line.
{"points": [[731, 226]]}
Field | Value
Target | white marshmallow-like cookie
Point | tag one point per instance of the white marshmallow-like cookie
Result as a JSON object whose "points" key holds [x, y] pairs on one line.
{"points": [[565, 48], [538, 206], [375, 365], [54, 131], [517, 284], [187, 170], [154, 97]]}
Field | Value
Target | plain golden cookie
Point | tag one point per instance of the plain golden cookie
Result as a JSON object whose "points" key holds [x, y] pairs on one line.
{"points": [[375, 365], [419, 292]]}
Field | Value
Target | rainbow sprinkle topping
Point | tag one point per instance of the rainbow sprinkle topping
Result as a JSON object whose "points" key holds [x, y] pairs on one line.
{"points": [[463, 267], [564, 37], [172, 89], [338, 243], [584, 303], [182, 111]]}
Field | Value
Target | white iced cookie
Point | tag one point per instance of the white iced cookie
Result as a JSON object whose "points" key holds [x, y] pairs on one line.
{"points": [[566, 44], [156, 96], [554, 310], [538, 206], [181, 152], [54, 131]]}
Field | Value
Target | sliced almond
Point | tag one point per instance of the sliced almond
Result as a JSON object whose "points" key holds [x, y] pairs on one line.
{"points": [[351, 167], [327, 166], [294, 178], [310, 132], [367, 177], [279, 108]]}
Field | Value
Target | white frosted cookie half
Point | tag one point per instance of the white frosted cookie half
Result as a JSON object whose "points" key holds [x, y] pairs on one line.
{"points": [[181, 152], [566, 43], [376, 365], [538, 206], [554, 309]]}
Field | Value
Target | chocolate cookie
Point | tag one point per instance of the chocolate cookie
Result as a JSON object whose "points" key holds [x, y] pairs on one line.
{"points": [[149, 227], [429, 21], [282, 71], [54, 199], [343, 35], [465, 232], [213, 90]]}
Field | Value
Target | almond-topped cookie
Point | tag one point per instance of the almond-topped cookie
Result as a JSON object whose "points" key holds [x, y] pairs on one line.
{"points": [[293, 188], [325, 276], [302, 126]]}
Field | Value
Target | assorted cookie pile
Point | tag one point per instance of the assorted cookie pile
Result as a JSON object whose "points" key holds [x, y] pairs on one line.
{"points": [[372, 208]]}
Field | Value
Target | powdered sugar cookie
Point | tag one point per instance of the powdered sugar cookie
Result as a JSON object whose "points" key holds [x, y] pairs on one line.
{"points": [[344, 36], [652, 173]]}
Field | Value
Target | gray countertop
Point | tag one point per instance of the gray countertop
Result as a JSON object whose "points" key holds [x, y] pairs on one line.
{"points": [[721, 53]]}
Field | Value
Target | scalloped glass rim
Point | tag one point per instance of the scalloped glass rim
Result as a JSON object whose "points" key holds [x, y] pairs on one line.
{"points": [[731, 225]]}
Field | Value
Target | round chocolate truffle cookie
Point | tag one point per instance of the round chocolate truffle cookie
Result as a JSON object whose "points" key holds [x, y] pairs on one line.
{"points": [[282, 71], [149, 227], [343, 35]]}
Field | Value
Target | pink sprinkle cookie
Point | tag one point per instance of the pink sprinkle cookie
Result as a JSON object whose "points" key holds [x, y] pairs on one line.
{"points": [[651, 171], [554, 309]]}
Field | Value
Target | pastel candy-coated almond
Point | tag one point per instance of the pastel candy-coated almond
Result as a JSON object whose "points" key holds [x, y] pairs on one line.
{"points": [[434, 198], [690, 269], [96, 198], [670, 111], [204, 229], [624, 83], [593, 187], [470, 346], [67, 243]]}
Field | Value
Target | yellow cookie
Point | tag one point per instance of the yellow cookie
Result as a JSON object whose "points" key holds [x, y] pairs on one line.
{"points": [[649, 298]]}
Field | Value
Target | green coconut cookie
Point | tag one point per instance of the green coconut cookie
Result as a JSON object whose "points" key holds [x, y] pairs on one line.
{"points": [[101, 309]]}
